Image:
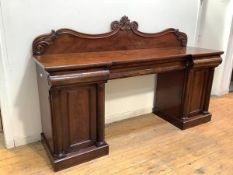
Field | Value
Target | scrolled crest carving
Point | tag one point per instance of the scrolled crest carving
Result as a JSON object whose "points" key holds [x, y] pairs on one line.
{"points": [[182, 37], [40, 45], [124, 24]]}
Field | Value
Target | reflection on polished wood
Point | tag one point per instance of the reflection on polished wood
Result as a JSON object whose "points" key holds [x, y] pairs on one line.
{"points": [[111, 59], [73, 68], [145, 145]]}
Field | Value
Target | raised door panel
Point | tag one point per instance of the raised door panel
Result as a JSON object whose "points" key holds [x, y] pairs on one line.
{"points": [[197, 97], [76, 117], [82, 116]]}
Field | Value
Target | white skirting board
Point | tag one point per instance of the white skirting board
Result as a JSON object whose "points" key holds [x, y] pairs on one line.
{"points": [[129, 114], [18, 141]]}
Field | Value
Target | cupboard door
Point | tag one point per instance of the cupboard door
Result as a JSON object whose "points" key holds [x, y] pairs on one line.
{"points": [[75, 117], [197, 91], [169, 93]]}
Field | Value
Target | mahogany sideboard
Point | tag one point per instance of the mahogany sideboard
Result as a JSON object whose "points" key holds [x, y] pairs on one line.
{"points": [[73, 68]]}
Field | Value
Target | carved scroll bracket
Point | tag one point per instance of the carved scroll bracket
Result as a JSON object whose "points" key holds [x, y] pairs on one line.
{"points": [[40, 44], [182, 37], [189, 62]]}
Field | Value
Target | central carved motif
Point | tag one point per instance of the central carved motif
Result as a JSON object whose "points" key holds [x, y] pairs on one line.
{"points": [[124, 24]]}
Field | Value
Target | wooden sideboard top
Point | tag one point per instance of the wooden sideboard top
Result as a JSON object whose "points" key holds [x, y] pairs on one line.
{"points": [[56, 62], [66, 49]]}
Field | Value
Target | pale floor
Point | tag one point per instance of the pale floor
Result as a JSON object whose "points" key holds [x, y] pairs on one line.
{"points": [[146, 145]]}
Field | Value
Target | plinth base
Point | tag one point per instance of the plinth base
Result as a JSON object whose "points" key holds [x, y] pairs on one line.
{"points": [[187, 123], [75, 158]]}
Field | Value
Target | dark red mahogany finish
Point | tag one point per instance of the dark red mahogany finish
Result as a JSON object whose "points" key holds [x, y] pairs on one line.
{"points": [[73, 68]]}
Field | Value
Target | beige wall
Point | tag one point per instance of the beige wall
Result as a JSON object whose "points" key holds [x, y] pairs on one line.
{"points": [[214, 34]]}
